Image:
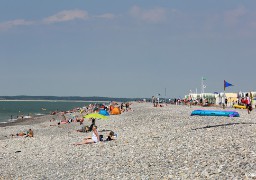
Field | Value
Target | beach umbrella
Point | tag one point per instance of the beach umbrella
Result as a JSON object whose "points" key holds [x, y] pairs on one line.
{"points": [[95, 116]]}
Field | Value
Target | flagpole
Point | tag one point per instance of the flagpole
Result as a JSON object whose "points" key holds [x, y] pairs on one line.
{"points": [[226, 84], [165, 95], [202, 86], [224, 95]]}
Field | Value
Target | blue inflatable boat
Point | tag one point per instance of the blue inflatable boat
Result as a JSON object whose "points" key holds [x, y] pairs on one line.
{"points": [[214, 113]]}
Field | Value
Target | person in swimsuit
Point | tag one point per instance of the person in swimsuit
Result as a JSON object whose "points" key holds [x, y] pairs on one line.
{"points": [[30, 133], [89, 140], [111, 136]]}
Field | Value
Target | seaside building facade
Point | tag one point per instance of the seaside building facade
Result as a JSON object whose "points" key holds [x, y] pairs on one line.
{"points": [[221, 98]]}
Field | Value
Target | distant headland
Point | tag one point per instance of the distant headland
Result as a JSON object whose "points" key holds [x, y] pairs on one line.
{"points": [[67, 98]]}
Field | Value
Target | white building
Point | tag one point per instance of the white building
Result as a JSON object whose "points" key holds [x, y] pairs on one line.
{"points": [[220, 97]]}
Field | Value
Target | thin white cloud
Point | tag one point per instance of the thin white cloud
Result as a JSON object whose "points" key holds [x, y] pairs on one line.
{"points": [[106, 16], [155, 15], [67, 15], [232, 17], [63, 16], [17, 22]]}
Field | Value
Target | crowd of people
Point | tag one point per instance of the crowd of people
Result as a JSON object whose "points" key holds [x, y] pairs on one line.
{"points": [[83, 128], [77, 115], [245, 101]]}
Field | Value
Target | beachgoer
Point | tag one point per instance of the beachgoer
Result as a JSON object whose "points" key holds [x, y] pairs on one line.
{"points": [[63, 117], [19, 134], [127, 106], [248, 104], [89, 140], [190, 101], [155, 101], [93, 123], [81, 128], [30, 133], [111, 136], [81, 120]]}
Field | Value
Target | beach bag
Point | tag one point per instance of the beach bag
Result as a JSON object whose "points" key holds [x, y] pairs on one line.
{"points": [[101, 137]]}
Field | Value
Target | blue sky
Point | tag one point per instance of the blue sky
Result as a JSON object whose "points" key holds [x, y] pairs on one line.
{"points": [[126, 48]]}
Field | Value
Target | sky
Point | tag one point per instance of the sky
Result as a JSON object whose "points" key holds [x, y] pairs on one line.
{"points": [[126, 48]]}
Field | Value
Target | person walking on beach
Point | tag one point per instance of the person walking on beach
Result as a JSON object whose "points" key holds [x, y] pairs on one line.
{"points": [[190, 100], [154, 101], [248, 103]]}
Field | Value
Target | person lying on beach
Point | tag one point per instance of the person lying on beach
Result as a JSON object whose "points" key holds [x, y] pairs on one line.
{"points": [[89, 140], [19, 134], [111, 136], [83, 128], [28, 134], [55, 124]]}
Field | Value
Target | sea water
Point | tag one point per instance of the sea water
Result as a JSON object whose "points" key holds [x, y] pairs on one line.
{"points": [[10, 110]]}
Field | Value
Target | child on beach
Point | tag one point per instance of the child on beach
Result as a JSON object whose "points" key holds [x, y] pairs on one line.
{"points": [[111, 136]]}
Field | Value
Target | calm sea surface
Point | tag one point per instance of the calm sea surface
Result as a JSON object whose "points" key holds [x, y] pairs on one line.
{"points": [[9, 110]]}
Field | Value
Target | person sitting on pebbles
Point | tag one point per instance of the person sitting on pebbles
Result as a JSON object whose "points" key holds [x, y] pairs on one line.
{"points": [[30, 133], [89, 140]]}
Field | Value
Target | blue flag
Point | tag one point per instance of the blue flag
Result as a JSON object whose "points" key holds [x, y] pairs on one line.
{"points": [[226, 84]]}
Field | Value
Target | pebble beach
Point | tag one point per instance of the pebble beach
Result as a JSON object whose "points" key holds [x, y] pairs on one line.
{"points": [[152, 143]]}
